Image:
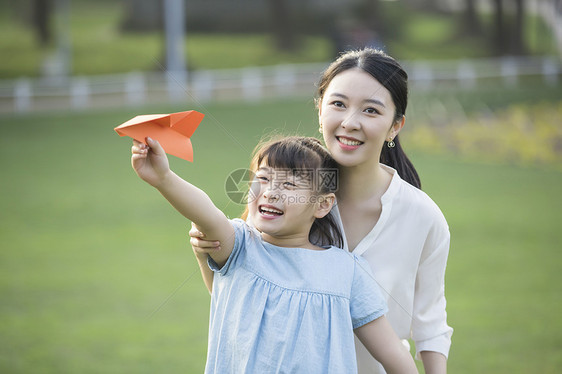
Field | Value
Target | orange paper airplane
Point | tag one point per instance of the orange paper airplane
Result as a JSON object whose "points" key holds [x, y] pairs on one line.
{"points": [[171, 130]]}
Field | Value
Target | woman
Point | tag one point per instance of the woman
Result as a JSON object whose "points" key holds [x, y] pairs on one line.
{"points": [[386, 218]]}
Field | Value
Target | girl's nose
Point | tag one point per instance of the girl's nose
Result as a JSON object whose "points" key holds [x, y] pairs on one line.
{"points": [[270, 193]]}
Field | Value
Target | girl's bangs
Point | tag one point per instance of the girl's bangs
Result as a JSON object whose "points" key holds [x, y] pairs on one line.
{"points": [[288, 156]]}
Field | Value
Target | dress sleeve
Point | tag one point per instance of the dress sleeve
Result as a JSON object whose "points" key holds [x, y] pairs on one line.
{"points": [[430, 331], [240, 232], [366, 302]]}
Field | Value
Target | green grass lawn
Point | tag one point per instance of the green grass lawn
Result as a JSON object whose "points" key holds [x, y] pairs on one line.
{"points": [[96, 274]]}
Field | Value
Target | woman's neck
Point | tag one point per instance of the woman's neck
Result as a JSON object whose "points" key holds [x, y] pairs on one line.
{"points": [[362, 183]]}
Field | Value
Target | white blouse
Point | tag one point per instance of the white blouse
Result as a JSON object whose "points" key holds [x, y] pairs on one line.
{"points": [[407, 250]]}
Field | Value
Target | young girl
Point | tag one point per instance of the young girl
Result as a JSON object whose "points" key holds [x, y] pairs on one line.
{"points": [[281, 304]]}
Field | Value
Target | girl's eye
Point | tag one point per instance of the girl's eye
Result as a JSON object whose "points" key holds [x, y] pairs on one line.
{"points": [[262, 179], [372, 111], [289, 185], [338, 104]]}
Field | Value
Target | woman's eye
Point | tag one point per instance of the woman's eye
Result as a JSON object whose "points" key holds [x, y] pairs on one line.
{"points": [[372, 111], [338, 104], [262, 179]]}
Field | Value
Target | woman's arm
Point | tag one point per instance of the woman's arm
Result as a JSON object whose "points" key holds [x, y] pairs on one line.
{"points": [[384, 345], [202, 248], [430, 330], [151, 165]]}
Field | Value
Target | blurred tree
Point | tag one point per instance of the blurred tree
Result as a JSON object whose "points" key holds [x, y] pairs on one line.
{"points": [[41, 15], [374, 18], [431, 5], [472, 23], [142, 15], [509, 28], [500, 36], [282, 27], [518, 44]]}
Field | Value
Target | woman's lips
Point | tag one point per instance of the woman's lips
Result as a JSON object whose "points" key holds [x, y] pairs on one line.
{"points": [[348, 144]]}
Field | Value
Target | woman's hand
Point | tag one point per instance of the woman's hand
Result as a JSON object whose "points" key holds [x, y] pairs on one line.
{"points": [[150, 162], [202, 246]]}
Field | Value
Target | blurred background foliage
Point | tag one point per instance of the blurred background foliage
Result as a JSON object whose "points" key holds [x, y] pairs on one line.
{"points": [[523, 134], [119, 36]]}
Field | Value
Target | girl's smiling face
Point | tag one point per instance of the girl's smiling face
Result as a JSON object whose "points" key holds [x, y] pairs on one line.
{"points": [[284, 207], [357, 116]]}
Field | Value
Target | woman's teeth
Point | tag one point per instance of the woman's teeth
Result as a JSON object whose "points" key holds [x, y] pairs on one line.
{"points": [[349, 141]]}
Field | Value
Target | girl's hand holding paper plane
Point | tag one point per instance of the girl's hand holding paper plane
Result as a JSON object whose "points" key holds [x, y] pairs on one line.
{"points": [[150, 162]]}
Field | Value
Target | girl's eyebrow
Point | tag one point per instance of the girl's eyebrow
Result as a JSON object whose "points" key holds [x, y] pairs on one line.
{"points": [[370, 101]]}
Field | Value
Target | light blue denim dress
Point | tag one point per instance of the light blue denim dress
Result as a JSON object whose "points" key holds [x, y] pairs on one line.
{"points": [[288, 310]]}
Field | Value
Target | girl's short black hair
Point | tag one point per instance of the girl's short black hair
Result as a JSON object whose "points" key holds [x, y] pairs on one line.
{"points": [[300, 154]]}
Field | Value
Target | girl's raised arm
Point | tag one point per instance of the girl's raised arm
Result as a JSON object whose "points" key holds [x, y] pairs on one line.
{"points": [[384, 345], [151, 165]]}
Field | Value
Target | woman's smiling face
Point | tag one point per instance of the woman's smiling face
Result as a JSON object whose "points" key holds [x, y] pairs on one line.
{"points": [[357, 116]]}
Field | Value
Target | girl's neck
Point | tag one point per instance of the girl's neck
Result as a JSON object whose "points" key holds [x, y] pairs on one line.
{"points": [[362, 183], [290, 242]]}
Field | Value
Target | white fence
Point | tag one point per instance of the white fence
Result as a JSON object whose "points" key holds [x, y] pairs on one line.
{"points": [[249, 84]]}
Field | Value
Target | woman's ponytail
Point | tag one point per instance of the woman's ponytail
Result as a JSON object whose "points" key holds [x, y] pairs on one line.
{"points": [[396, 158]]}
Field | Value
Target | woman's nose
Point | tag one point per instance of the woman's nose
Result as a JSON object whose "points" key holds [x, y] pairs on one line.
{"points": [[351, 121]]}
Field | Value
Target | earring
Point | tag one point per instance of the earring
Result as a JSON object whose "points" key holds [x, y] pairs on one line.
{"points": [[390, 143], [320, 129]]}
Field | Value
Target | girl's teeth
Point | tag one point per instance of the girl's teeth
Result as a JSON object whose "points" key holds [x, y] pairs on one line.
{"points": [[271, 211]]}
